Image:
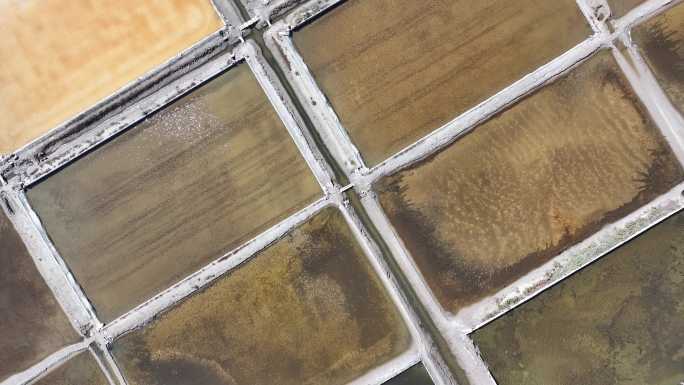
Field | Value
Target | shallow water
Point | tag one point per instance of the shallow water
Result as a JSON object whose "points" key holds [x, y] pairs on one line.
{"points": [[618, 321], [173, 193], [308, 310], [80, 370], [32, 324], [525, 185], [620, 8], [415, 375], [662, 42], [396, 70]]}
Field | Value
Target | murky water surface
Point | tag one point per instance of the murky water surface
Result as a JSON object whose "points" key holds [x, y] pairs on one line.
{"points": [[620, 8], [168, 196], [662, 42], [61, 57], [80, 370], [415, 375], [618, 321], [32, 324], [396, 70], [525, 185], [308, 310]]}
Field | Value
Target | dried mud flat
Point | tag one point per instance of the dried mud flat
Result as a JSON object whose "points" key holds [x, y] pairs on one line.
{"points": [[80, 370], [173, 193], [525, 185], [307, 310], [55, 64], [618, 321], [396, 70]]}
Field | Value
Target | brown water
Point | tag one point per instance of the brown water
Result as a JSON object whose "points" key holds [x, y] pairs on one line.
{"points": [[80, 370], [32, 324], [618, 321], [662, 42], [525, 185], [174, 193], [415, 375], [60, 58], [396, 70], [307, 310]]}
